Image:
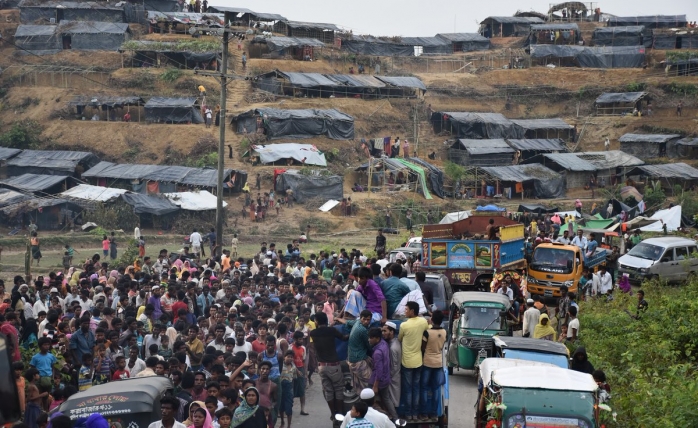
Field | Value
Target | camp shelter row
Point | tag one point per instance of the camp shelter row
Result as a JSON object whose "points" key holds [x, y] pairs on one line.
{"points": [[286, 154], [183, 54], [299, 123], [500, 151], [639, 35], [440, 44], [15, 162], [476, 125], [317, 85], [185, 110], [79, 35], [402, 175]]}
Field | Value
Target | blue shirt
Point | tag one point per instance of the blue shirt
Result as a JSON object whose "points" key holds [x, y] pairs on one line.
{"points": [[44, 363], [591, 246], [82, 343]]}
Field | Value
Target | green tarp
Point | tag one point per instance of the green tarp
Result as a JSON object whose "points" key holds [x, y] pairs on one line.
{"points": [[422, 176], [590, 224]]}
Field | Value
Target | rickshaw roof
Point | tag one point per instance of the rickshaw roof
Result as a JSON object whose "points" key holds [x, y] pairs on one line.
{"points": [[490, 365], [127, 396], [530, 344], [479, 296], [543, 377]]}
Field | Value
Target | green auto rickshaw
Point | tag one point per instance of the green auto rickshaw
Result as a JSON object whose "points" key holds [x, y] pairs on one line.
{"points": [[529, 394], [475, 317]]}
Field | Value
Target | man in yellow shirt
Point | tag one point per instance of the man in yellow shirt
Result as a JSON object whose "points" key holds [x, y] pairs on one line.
{"points": [[411, 333]]}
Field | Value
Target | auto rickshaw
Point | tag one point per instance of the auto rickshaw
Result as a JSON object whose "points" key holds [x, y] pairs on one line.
{"points": [[474, 319], [518, 393], [529, 349], [132, 403]]}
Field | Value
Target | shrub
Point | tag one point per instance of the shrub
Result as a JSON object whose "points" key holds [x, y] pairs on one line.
{"points": [[171, 74], [23, 134]]}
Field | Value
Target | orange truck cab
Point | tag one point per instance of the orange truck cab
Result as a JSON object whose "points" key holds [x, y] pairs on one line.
{"points": [[554, 265]]}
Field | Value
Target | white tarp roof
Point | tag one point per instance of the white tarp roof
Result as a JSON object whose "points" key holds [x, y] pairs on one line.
{"points": [[542, 377], [328, 205], [93, 193], [454, 217], [202, 200], [671, 217], [489, 365], [307, 154]]}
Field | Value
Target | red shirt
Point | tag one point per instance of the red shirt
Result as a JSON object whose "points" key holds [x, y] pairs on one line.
{"points": [[298, 355], [258, 346], [177, 306], [121, 375]]}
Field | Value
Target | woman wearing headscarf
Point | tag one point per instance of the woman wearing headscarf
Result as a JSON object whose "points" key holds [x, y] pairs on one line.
{"points": [[249, 414], [201, 418], [30, 334], [543, 329], [192, 407]]}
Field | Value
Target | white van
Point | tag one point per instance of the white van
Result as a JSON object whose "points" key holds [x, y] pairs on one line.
{"points": [[670, 258]]}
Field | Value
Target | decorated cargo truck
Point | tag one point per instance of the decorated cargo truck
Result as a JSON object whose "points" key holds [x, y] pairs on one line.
{"points": [[461, 251]]}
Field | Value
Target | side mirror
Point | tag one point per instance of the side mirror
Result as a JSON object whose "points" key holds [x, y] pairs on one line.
{"points": [[503, 313]]}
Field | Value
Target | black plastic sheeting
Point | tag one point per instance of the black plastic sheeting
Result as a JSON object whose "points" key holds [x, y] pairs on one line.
{"points": [[538, 209], [547, 184], [620, 97], [621, 36], [619, 206], [594, 57], [436, 176], [306, 187], [200, 56], [172, 110], [654, 21], [149, 204], [476, 125], [466, 42], [375, 48], [299, 123], [105, 101]]}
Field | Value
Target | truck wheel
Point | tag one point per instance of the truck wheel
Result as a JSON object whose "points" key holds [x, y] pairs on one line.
{"points": [[450, 371]]}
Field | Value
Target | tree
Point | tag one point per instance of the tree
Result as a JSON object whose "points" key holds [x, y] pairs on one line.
{"points": [[23, 134]]}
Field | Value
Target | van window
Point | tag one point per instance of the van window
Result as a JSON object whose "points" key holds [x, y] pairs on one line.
{"points": [[693, 251], [668, 255], [681, 253]]}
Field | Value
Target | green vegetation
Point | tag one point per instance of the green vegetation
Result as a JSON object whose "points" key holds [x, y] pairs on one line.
{"points": [[171, 74], [207, 160], [681, 88], [23, 134], [662, 130], [654, 195], [332, 154], [636, 87], [176, 46], [454, 171], [650, 363], [680, 55]]}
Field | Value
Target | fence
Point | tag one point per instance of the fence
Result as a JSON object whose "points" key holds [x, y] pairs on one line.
{"points": [[57, 76]]}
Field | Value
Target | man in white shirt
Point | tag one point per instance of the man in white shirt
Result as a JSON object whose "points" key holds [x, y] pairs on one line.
{"points": [[573, 325], [530, 318], [605, 281], [564, 239], [168, 409], [580, 240], [195, 242], [378, 419], [134, 364], [506, 290], [241, 345]]}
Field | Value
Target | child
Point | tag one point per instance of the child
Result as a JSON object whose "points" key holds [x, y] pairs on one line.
{"points": [[44, 361], [102, 366], [57, 399], [71, 252], [212, 405], [225, 417], [121, 371], [85, 374], [18, 368], [604, 388], [358, 414], [141, 247], [105, 246], [66, 260], [33, 410], [563, 333], [300, 359], [289, 374], [164, 351]]}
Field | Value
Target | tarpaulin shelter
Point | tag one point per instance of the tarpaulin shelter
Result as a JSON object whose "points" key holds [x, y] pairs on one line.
{"points": [[672, 38], [51, 162], [611, 166], [194, 201], [574, 10], [506, 26], [91, 193], [93, 35], [6, 153], [305, 154], [180, 22], [554, 33], [671, 218], [536, 208], [278, 123], [590, 57], [11, 197], [534, 146], [648, 146], [369, 45], [652, 21], [435, 175], [668, 174], [159, 178], [491, 152], [588, 225], [149, 204], [633, 35], [576, 171], [540, 181], [106, 106], [306, 187], [394, 174], [428, 45], [36, 183], [475, 125], [36, 11], [48, 213], [687, 148], [299, 48], [181, 54], [173, 110], [546, 128], [618, 103], [321, 31], [681, 67], [465, 42], [38, 38]]}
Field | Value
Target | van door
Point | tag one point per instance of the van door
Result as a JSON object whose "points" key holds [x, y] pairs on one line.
{"points": [[666, 266], [682, 264], [693, 257]]}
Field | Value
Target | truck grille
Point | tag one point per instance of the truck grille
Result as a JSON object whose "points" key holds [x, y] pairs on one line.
{"points": [[629, 268], [550, 283]]}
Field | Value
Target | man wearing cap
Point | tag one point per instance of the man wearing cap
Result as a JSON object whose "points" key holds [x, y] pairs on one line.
{"points": [[154, 300], [378, 419], [530, 318], [389, 331]]}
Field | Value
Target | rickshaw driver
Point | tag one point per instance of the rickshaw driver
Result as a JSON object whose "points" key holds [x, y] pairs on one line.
{"points": [[509, 292]]}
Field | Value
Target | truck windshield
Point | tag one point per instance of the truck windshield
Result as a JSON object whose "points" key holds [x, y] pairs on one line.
{"points": [[552, 260], [480, 318], [646, 251]]}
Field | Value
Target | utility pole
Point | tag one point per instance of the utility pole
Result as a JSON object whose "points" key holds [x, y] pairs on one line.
{"points": [[220, 214], [416, 128]]}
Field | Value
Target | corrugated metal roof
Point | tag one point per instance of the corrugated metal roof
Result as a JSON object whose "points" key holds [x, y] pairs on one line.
{"points": [[32, 182], [620, 97], [7, 153], [359, 80], [538, 144], [403, 82], [550, 123], [483, 147], [204, 177], [312, 25], [647, 138], [278, 43], [669, 170], [92, 27], [515, 20], [309, 80], [462, 37], [570, 161], [521, 173], [610, 159], [35, 30]]}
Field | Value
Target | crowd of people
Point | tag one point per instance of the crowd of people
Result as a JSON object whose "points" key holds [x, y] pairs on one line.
{"points": [[241, 338]]}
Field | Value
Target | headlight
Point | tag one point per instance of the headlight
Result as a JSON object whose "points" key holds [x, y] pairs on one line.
{"points": [[532, 280], [568, 283], [643, 270]]}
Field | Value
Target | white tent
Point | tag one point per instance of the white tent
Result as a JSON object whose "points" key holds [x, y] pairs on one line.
{"points": [[454, 217], [93, 193], [202, 200], [306, 154], [671, 217]]}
